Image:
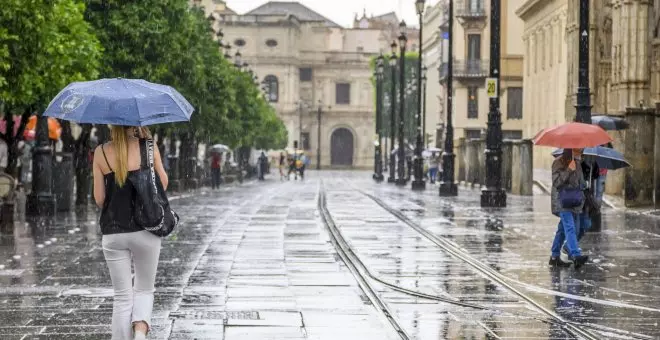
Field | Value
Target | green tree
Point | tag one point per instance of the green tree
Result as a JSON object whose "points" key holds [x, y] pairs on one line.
{"points": [[44, 45]]}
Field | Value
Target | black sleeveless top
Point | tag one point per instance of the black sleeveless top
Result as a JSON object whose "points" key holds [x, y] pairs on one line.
{"points": [[117, 211]]}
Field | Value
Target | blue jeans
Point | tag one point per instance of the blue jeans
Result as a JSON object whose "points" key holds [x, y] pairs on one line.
{"points": [[566, 231], [433, 173]]}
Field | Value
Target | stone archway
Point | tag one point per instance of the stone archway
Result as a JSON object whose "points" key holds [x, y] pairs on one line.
{"points": [[341, 147]]}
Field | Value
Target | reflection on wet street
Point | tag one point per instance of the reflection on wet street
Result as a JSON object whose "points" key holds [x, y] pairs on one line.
{"points": [[257, 262]]}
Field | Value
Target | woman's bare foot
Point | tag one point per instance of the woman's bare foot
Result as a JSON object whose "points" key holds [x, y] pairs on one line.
{"points": [[140, 329]]}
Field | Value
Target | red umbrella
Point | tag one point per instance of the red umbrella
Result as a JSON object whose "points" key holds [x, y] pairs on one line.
{"points": [[572, 136]]}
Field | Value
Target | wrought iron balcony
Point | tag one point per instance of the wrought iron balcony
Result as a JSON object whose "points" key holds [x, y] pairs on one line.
{"points": [[470, 11], [466, 69]]}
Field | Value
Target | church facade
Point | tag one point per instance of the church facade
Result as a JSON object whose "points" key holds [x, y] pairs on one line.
{"points": [[315, 73]]}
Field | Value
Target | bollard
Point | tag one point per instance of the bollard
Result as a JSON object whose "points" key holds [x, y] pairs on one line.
{"points": [[461, 148], [63, 180], [507, 146], [656, 162], [639, 150]]}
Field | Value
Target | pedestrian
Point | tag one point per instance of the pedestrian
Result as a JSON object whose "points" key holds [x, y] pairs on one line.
{"points": [[262, 164], [216, 173], [123, 242], [292, 167], [4, 155], [568, 204], [301, 164], [434, 163], [282, 165]]}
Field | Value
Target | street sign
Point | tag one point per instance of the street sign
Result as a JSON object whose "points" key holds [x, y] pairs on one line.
{"points": [[491, 87]]}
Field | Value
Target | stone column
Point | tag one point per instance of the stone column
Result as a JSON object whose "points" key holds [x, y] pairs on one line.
{"points": [[461, 148], [481, 151], [639, 150], [507, 164], [631, 52], [526, 167], [472, 160]]}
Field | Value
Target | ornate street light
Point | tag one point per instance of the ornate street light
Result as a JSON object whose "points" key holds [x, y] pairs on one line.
{"points": [[424, 70], [494, 195], [419, 183], [447, 185], [227, 51], [378, 157], [403, 40], [392, 163]]}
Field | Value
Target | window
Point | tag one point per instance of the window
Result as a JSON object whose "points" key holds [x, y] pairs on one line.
{"points": [[271, 42], [305, 140], [474, 46], [343, 93], [512, 134], [239, 42], [473, 103], [360, 49], [305, 74], [472, 134], [514, 105], [272, 88]]}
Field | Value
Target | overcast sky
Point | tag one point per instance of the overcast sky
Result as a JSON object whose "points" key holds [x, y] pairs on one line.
{"points": [[343, 11]]}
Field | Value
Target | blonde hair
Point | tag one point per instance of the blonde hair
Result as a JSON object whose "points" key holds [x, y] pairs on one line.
{"points": [[120, 135]]}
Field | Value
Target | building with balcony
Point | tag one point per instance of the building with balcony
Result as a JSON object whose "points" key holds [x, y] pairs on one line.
{"points": [[308, 63], [471, 64]]}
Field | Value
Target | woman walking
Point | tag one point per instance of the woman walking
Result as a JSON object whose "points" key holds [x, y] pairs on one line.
{"points": [[123, 242], [567, 203]]}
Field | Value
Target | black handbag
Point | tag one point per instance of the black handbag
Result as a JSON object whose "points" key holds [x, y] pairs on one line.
{"points": [[571, 198], [151, 208], [591, 206]]}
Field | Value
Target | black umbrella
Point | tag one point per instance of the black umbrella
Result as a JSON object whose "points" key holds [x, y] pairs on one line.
{"points": [[609, 122]]}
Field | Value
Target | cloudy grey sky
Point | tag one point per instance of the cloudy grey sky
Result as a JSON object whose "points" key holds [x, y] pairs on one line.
{"points": [[343, 11]]}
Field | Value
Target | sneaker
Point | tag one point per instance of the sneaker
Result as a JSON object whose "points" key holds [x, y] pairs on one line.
{"points": [[557, 262], [564, 249], [580, 260]]}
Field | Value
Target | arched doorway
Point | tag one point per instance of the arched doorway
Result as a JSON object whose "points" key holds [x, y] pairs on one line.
{"points": [[341, 144]]}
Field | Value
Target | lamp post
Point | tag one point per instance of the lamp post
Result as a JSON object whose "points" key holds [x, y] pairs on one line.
{"points": [[447, 185], [424, 70], [583, 107], [419, 183], [401, 180], [392, 165], [238, 60], [494, 196], [318, 136], [41, 202], [378, 157]]}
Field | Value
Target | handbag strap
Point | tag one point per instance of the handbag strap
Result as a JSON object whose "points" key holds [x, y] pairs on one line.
{"points": [[147, 159]]}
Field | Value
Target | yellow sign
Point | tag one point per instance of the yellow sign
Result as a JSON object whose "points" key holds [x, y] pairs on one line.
{"points": [[491, 87]]}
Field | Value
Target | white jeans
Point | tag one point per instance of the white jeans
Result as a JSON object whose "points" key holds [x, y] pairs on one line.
{"points": [[132, 302]]}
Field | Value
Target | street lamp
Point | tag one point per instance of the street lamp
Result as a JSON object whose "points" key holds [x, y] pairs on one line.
{"points": [[583, 107], [424, 70], [318, 135], [419, 183], [378, 157], [392, 164], [447, 185], [227, 51], [401, 180], [494, 195], [41, 202]]}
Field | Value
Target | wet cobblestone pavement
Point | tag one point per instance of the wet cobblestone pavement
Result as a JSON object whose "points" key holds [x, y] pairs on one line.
{"points": [[256, 262]]}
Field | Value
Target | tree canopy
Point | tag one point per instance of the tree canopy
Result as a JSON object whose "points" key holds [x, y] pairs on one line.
{"points": [[169, 42]]}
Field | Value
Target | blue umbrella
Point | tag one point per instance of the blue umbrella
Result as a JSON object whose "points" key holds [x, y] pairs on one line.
{"points": [[606, 158], [127, 102], [609, 122]]}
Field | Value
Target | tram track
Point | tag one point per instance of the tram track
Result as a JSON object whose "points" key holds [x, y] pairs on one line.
{"points": [[577, 330], [573, 329]]}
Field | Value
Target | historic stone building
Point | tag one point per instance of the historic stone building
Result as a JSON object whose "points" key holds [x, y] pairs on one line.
{"points": [[624, 69], [309, 63], [471, 32]]}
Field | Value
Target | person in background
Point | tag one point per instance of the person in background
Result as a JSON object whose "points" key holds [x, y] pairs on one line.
{"points": [[216, 164], [434, 163], [263, 164], [4, 155], [292, 167], [567, 176], [282, 165]]}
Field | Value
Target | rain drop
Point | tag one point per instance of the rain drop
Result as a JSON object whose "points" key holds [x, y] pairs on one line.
{"points": [[53, 239], [16, 257], [48, 243]]}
